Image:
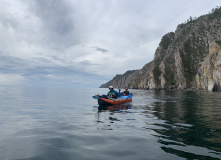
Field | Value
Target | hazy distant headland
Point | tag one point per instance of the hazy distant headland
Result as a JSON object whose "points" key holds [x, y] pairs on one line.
{"points": [[189, 58]]}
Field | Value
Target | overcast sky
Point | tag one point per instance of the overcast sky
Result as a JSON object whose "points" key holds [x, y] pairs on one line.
{"points": [[84, 43]]}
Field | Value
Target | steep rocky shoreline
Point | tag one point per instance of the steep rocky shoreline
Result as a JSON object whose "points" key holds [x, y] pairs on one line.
{"points": [[189, 58]]}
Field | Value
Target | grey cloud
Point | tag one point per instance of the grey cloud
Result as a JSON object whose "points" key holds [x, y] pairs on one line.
{"points": [[63, 76], [86, 63], [55, 58], [101, 50], [58, 20], [50, 34], [11, 64], [57, 71], [38, 68], [55, 14]]}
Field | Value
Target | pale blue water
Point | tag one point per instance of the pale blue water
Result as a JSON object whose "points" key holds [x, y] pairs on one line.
{"points": [[66, 124]]}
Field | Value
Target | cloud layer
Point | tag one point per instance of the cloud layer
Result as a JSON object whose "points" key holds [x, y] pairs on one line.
{"points": [[84, 43]]}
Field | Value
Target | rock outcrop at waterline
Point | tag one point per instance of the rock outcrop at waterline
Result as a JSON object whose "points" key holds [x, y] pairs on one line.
{"points": [[190, 57]]}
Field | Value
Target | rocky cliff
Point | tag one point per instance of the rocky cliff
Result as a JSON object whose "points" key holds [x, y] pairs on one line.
{"points": [[190, 57], [209, 74]]}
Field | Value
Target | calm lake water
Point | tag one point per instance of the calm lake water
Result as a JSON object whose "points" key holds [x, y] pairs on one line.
{"points": [[67, 124]]}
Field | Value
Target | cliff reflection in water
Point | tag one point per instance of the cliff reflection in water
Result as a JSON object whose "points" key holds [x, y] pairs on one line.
{"points": [[191, 123]]}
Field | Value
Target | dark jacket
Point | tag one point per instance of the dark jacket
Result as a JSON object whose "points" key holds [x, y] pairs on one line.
{"points": [[126, 93]]}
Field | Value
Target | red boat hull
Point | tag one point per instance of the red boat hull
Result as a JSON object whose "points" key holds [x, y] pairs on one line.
{"points": [[104, 101]]}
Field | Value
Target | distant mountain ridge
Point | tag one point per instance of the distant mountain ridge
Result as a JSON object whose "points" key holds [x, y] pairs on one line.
{"points": [[190, 57]]}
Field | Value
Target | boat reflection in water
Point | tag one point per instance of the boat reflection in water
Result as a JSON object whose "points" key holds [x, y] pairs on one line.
{"points": [[109, 114], [116, 107]]}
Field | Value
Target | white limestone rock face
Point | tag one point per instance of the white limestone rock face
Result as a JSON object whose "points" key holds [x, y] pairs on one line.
{"points": [[209, 74]]}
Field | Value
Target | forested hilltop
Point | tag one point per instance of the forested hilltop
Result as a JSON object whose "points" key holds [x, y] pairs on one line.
{"points": [[188, 58]]}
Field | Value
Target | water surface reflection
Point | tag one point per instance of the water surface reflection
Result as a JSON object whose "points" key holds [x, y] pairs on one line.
{"points": [[56, 123], [191, 126]]}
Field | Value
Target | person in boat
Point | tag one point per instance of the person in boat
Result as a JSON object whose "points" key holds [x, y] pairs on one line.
{"points": [[112, 93], [126, 92]]}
